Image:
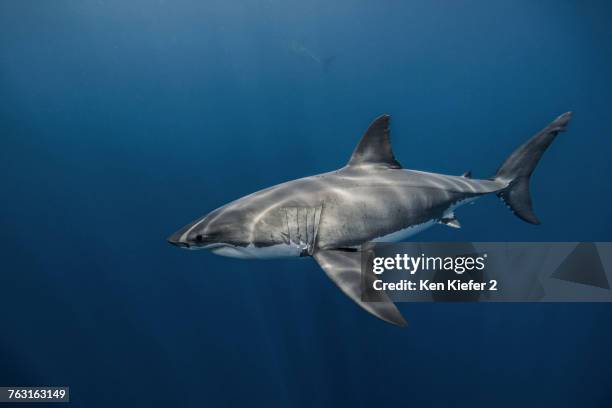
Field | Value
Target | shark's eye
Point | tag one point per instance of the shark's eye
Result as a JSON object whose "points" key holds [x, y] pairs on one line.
{"points": [[199, 238]]}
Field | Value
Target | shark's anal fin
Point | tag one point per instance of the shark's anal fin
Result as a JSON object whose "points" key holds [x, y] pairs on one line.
{"points": [[344, 268], [450, 222]]}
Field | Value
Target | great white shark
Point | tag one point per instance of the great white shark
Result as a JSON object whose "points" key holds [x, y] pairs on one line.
{"points": [[372, 199], [299, 49]]}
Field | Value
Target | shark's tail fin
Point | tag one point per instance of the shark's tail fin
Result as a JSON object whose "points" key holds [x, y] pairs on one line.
{"points": [[327, 62], [517, 169]]}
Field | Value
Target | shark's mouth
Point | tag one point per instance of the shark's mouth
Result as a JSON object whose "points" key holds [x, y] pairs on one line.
{"points": [[255, 252], [193, 247], [215, 245]]}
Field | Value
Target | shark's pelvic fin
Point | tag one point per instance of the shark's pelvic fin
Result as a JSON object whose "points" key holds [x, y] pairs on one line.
{"points": [[344, 268], [451, 222], [467, 174], [374, 148]]}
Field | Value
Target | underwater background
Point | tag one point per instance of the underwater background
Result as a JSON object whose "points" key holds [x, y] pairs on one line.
{"points": [[121, 121]]}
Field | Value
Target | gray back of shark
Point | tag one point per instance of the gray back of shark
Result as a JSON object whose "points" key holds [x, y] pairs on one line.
{"points": [[329, 216]]}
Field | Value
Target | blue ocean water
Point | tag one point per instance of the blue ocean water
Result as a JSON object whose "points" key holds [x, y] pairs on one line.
{"points": [[122, 121]]}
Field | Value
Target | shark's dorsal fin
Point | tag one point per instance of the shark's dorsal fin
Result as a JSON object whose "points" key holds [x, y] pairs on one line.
{"points": [[374, 148]]}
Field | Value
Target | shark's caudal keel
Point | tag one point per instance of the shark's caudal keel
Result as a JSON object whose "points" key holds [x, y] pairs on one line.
{"points": [[372, 199]]}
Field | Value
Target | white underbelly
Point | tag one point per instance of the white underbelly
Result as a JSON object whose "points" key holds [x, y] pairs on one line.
{"points": [[253, 252], [406, 232]]}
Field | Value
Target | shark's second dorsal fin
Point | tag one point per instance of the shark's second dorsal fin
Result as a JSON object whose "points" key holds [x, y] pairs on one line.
{"points": [[374, 148]]}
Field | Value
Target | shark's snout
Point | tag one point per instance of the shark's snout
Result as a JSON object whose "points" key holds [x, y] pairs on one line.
{"points": [[177, 242], [192, 236], [178, 239]]}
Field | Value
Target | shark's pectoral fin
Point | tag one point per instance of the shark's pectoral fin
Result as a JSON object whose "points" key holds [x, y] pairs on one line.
{"points": [[451, 222], [344, 268]]}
